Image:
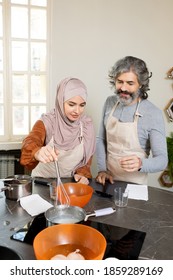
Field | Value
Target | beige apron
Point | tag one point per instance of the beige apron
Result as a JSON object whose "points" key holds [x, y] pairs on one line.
{"points": [[122, 140], [67, 161]]}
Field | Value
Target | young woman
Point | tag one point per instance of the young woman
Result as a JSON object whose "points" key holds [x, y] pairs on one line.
{"points": [[64, 134]]}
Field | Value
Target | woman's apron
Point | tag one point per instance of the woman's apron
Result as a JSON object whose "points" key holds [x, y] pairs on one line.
{"points": [[122, 140], [67, 161]]}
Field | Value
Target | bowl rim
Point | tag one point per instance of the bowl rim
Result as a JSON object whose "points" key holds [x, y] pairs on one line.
{"points": [[51, 228], [81, 184]]}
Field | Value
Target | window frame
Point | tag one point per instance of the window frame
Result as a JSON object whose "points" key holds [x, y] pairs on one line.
{"points": [[8, 72]]}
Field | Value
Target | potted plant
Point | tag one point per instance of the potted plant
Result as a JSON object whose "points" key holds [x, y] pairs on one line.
{"points": [[166, 177]]}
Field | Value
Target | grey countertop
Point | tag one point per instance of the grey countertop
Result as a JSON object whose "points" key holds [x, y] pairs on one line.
{"points": [[155, 217]]}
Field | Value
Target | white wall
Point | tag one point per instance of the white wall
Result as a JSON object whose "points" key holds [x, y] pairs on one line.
{"points": [[88, 36]]}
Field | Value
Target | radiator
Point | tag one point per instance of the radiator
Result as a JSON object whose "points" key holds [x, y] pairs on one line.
{"points": [[7, 166]]}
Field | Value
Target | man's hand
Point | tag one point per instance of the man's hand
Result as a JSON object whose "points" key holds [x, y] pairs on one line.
{"points": [[130, 163], [103, 176]]}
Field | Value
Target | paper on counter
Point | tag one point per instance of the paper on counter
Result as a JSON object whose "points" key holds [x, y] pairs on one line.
{"points": [[139, 192], [34, 204]]}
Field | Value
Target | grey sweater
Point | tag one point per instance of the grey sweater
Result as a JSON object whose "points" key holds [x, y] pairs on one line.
{"points": [[151, 133]]}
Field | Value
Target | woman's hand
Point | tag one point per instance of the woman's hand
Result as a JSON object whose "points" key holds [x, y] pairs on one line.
{"points": [[81, 179], [103, 176], [130, 163], [46, 154]]}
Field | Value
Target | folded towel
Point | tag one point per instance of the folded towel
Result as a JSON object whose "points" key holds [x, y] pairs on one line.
{"points": [[34, 204]]}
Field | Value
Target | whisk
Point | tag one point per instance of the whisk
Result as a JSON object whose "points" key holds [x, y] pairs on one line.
{"points": [[61, 193]]}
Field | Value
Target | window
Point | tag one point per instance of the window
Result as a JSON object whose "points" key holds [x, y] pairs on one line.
{"points": [[23, 66]]}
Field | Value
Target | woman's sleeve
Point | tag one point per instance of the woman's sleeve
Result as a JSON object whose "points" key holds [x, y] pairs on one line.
{"points": [[85, 170], [31, 144]]}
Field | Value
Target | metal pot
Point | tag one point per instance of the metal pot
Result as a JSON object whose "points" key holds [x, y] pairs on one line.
{"points": [[72, 214], [64, 215], [17, 186]]}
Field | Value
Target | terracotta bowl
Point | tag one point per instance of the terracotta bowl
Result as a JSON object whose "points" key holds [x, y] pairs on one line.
{"points": [[65, 239], [79, 194]]}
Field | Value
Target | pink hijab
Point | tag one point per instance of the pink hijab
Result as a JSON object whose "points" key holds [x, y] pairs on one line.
{"points": [[66, 134]]}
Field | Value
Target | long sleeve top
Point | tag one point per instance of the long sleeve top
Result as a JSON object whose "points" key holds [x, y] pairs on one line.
{"points": [[34, 141], [151, 133]]}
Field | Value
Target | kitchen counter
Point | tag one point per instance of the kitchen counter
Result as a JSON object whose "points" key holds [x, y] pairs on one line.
{"points": [[155, 217]]}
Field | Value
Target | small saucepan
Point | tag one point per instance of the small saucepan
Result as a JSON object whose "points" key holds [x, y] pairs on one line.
{"points": [[62, 214], [17, 186]]}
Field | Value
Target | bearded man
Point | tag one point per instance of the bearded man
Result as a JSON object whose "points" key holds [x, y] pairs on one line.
{"points": [[131, 142]]}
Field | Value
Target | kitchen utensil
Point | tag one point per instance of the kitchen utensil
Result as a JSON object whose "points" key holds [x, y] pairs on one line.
{"points": [[64, 239], [61, 194], [79, 194], [43, 181], [72, 214], [17, 186]]}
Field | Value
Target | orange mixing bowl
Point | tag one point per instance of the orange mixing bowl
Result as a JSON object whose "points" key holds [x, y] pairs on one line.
{"points": [[66, 238], [79, 194]]}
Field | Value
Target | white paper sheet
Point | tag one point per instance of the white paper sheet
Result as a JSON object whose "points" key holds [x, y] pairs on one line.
{"points": [[34, 204], [139, 192]]}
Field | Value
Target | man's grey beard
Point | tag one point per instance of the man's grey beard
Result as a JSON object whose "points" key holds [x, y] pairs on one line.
{"points": [[128, 101]]}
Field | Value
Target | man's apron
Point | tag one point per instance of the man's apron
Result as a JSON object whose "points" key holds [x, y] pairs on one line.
{"points": [[67, 161], [122, 140]]}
